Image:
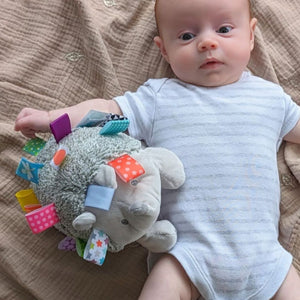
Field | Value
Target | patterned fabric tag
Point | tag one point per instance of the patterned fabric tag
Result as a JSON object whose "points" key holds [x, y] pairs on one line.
{"points": [[34, 146], [98, 118], [114, 127], [28, 170], [126, 167], [113, 117], [42, 218], [96, 247]]}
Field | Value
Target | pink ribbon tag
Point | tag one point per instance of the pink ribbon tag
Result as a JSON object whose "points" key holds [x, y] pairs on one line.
{"points": [[42, 218]]}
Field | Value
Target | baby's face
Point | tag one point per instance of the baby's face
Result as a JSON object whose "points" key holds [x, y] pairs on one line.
{"points": [[207, 43]]}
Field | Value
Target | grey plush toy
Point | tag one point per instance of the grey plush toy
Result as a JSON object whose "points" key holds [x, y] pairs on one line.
{"points": [[94, 198]]}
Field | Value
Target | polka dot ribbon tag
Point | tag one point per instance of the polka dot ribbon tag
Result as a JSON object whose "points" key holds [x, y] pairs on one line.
{"points": [[34, 146], [42, 218], [126, 167]]}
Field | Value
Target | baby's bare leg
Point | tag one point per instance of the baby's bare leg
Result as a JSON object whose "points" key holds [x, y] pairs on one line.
{"points": [[168, 280], [290, 289]]}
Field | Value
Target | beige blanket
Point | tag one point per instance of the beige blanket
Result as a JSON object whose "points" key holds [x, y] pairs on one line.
{"points": [[60, 52]]}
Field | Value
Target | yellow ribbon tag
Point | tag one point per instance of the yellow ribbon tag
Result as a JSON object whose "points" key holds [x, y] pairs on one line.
{"points": [[26, 197]]}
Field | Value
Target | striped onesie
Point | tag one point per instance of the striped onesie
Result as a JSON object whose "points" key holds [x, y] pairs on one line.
{"points": [[227, 212]]}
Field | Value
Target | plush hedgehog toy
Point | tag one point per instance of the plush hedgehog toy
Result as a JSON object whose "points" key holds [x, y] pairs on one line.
{"points": [[99, 187]]}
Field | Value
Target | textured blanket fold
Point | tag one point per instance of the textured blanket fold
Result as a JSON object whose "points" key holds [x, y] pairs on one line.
{"points": [[58, 53]]}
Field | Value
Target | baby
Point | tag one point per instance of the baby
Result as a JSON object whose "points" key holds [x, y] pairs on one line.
{"points": [[226, 126]]}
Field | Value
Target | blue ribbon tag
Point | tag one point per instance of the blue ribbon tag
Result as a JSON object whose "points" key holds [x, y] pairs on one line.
{"points": [[93, 118], [99, 196], [29, 170], [114, 127]]}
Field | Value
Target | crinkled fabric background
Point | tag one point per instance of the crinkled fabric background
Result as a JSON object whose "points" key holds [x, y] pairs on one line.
{"points": [[60, 53]]}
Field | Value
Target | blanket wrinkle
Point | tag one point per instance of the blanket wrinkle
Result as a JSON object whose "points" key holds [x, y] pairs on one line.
{"points": [[113, 51]]}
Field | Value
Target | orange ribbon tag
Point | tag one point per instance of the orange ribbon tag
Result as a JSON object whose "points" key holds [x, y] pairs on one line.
{"points": [[126, 167], [59, 157]]}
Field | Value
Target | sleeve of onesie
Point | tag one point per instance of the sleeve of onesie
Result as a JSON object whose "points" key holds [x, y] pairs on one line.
{"points": [[139, 108], [291, 117]]}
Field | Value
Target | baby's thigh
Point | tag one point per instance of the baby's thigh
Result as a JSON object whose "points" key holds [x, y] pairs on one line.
{"points": [[168, 280], [290, 288]]}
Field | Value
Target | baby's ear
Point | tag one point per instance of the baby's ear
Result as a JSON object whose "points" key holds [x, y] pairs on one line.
{"points": [[160, 44], [253, 23]]}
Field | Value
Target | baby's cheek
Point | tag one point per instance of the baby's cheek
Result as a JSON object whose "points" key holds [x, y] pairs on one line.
{"points": [[182, 63], [240, 55]]}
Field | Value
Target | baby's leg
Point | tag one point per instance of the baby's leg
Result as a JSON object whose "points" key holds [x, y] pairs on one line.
{"points": [[290, 289], [168, 280]]}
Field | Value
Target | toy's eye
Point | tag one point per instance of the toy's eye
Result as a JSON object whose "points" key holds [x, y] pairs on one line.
{"points": [[124, 222], [134, 182], [187, 36]]}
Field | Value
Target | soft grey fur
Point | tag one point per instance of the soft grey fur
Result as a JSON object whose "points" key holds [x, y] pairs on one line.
{"points": [[67, 186]]}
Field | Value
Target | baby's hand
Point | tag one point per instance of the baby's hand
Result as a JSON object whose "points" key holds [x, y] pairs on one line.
{"points": [[31, 121]]}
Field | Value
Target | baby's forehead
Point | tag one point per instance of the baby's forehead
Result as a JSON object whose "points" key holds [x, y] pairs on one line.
{"points": [[165, 4], [163, 8]]}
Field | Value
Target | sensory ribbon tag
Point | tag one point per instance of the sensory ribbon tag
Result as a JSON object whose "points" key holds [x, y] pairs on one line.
{"points": [[93, 118], [34, 146], [27, 197], [80, 246], [67, 244], [99, 196], [113, 117], [61, 127], [59, 157], [29, 170], [96, 247], [42, 218], [31, 207], [126, 167], [114, 127]]}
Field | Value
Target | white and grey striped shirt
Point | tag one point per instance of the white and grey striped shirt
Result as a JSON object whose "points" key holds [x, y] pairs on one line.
{"points": [[227, 212]]}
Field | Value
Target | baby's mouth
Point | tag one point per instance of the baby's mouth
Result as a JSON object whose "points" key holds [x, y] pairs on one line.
{"points": [[211, 63]]}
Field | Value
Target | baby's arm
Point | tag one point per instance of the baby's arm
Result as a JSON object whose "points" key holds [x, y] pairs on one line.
{"points": [[31, 121], [294, 135]]}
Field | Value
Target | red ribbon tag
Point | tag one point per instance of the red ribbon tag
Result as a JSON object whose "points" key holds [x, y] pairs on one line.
{"points": [[126, 167]]}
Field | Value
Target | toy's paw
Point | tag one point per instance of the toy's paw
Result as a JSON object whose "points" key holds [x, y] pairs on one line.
{"points": [[161, 237], [84, 221]]}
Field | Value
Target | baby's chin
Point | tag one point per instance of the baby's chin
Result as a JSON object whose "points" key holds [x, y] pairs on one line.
{"points": [[213, 81]]}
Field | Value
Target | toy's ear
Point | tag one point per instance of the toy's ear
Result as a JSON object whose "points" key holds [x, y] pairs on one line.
{"points": [[106, 176], [170, 167]]}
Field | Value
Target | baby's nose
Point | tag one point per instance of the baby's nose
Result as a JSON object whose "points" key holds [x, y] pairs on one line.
{"points": [[207, 44]]}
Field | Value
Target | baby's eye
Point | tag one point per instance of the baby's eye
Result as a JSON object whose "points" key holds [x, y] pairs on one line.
{"points": [[187, 36], [224, 29]]}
